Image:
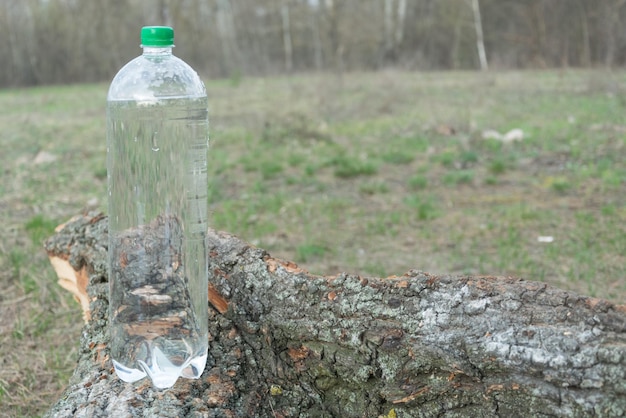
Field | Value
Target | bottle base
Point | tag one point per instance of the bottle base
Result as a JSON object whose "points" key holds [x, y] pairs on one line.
{"points": [[161, 371]]}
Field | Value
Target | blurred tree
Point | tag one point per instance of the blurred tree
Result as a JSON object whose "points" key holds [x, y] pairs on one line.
{"points": [[480, 43], [612, 11], [228, 36], [284, 13], [62, 41]]}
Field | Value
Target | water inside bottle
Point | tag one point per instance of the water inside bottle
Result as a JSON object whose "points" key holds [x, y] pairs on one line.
{"points": [[157, 228]]}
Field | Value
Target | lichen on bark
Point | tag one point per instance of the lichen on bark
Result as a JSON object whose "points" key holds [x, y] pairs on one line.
{"points": [[283, 342]]}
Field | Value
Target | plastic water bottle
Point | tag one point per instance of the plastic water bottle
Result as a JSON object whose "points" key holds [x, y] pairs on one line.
{"points": [[157, 142]]}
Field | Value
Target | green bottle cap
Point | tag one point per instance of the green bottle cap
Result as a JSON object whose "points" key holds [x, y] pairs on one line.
{"points": [[157, 36]]}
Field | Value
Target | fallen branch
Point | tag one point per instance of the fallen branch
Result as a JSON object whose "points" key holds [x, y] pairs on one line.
{"points": [[285, 343]]}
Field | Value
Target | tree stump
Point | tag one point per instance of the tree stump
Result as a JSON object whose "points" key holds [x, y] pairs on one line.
{"points": [[286, 343]]}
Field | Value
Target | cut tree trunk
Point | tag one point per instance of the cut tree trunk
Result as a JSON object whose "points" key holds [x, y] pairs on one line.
{"points": [[286, 343]]}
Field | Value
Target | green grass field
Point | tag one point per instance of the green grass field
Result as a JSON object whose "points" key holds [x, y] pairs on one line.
{"points": [[374, 173]]}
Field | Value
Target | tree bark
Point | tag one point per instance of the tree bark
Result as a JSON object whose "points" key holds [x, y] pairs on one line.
{"points": [[388, 29], [399, 35], [286, 343], [314, 16], [286, 26], [332, 9], [611, 14], [480, 43], [228, 36]]}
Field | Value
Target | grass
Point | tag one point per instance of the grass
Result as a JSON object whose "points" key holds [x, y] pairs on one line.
{"points": [[348, 167], [307, 252], [339, 175]]}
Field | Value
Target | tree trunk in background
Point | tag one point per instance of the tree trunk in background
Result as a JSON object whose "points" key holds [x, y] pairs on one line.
{"points": [[28, 45], [314, 17], [401, 17], [286, 26], [537, 23], [14, 44], [332, 9], [164, 13], [426, 11], [393, 29], [611, 19], [388, 29], [480, 43], [226, 29], [285, 343], [456, 42], [584, 25]]}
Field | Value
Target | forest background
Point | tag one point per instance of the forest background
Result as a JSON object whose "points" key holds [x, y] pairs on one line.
{"points": [[67, 41]]}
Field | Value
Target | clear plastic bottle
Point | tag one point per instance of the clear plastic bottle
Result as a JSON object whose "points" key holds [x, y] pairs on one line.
{"points": [[157, 142]]}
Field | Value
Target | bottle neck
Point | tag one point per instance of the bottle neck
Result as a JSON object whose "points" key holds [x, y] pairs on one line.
{"points": [[157, 50]]}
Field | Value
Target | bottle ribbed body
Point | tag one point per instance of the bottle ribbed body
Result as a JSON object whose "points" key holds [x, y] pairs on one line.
{"points": [[157, 142]]}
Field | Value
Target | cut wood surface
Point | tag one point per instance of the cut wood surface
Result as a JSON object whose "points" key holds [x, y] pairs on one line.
{"points": [[286, 343]]}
